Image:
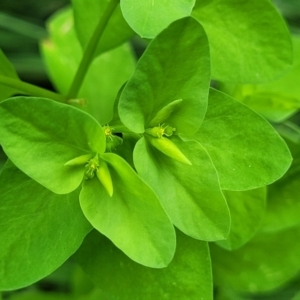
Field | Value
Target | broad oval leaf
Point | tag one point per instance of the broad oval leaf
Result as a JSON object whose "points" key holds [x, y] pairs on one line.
{"points": [[187, 277], [88, 13], [149, 17], [132, 218], [62, 54], [40, 136], [190, 194], [277, 100], [39, 230], [244, 38], [267, 262], [6, 70], [174, 66], [247, 209], [246, 151]]}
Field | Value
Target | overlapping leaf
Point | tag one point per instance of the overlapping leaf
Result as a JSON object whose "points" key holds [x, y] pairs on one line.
{"points": [[190, 195], [132, 218], [149, 17], [107, 73], [277, 100], [246, 151], [283, 207], [247, 210], [87, 14], [187, 277], [39, 230], [267, 262], [41, 143], [244, 39], [175, 66], [7, 70]]}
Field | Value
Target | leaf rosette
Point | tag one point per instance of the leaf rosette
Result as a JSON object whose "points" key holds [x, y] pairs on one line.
{"points": [[65, 154]]}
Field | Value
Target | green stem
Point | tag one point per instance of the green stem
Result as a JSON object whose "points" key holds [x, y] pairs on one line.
{"points": [[90, 50], [30, 89]]}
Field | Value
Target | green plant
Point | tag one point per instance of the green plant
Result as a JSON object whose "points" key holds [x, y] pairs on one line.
{"points": [[104, 168]]}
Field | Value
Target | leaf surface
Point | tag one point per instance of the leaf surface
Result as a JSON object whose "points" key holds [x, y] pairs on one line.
{"points": [[246, 151], [267, 262], [283, 205], [247, 210], [174, 66], [277, 100], [149, 17], [244, 39], [132, 218], [190, 195], [39, 230], [40, 136], [187, 277]]}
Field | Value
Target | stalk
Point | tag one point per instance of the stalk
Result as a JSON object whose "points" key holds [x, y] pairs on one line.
{"points": [[89, 53], [30, 89]]}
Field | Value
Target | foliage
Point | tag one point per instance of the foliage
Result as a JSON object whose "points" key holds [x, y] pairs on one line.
{"points": [[103, 170]]}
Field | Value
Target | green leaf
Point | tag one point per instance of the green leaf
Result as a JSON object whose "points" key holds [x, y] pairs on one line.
{"points": [[6, 69], [48, 135], [246, 151], [277, 100], [247, 210], [267, 262], [132, 218], [39, 230], [244, 39], [149, 17], [62, 54], [187, 277], [283, 207], [87, 14], [174, 66], [190, 195]]}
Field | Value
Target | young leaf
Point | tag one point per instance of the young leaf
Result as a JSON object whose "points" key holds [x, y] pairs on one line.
{"points": [[40, 136], [7, 70], [149, 17], [190, 195], [62, 54], [187, 277], [246, 151], [132, 218], [39, 230], [244, 39], [174, 66], [247, 210], [267, 262], [87, 14]]}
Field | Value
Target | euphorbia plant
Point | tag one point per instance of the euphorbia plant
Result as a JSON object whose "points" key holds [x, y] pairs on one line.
{"points": [[162, 150]]}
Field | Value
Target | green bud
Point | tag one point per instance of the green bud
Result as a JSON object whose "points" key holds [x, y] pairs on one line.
{"points": [[113, 142], [80, 160], [168, 148], [91, 167], [103, 175], [160, 131], [163, 114]]}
